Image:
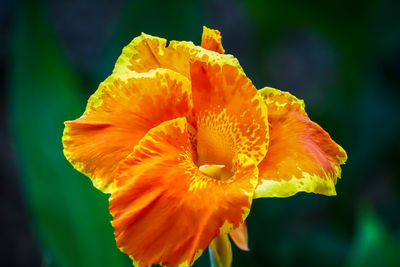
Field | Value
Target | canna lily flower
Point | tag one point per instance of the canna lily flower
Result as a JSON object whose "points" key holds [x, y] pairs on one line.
{"points": [[183, 142]]}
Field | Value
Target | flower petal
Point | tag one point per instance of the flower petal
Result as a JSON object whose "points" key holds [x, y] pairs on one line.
{"points": [[301, 155], [118, 115], [211, 40], [165, 210], [231, 117], [221, 251], [147, 52], [239, 236]]}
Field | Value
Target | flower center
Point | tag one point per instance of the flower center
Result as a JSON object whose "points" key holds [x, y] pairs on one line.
{"points": [[219, 172], [215, 149]]}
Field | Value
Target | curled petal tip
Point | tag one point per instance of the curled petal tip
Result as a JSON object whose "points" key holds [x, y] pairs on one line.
{"points": [[240, 238]]}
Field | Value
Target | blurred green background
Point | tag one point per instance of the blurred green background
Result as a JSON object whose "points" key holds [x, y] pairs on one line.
{"points": [[341, 57]]}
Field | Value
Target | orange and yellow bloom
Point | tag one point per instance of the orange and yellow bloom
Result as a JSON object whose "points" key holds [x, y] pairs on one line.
{"points": [[183, 142]]}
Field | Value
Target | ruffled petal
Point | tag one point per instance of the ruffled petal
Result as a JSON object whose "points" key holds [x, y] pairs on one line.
{"points": [[147, 52], [301, 155], [118, 115], [231, 117], [211, 40], [239, 236], [165, 211]]}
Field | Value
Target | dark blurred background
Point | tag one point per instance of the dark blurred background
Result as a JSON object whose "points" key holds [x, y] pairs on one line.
{"points": [[341, 57]]}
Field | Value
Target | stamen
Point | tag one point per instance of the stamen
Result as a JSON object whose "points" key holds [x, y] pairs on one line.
{"points": [[211, 165], [216, 171]]}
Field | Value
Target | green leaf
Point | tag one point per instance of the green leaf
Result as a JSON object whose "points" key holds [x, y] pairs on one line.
{"points": [[70, 217], [373, 245]]}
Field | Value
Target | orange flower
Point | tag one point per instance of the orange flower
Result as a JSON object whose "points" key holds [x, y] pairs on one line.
{"points": [[182, 140]]}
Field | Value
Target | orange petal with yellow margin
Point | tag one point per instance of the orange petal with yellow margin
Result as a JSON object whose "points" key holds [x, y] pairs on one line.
{"points": [[147, 52], [118, 115], [211, 40], [165, 211], [231, 116], [239, 236], [301, 155]]}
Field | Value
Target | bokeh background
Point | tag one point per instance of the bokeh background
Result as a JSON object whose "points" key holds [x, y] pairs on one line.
{"points": [[341, 57]]}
